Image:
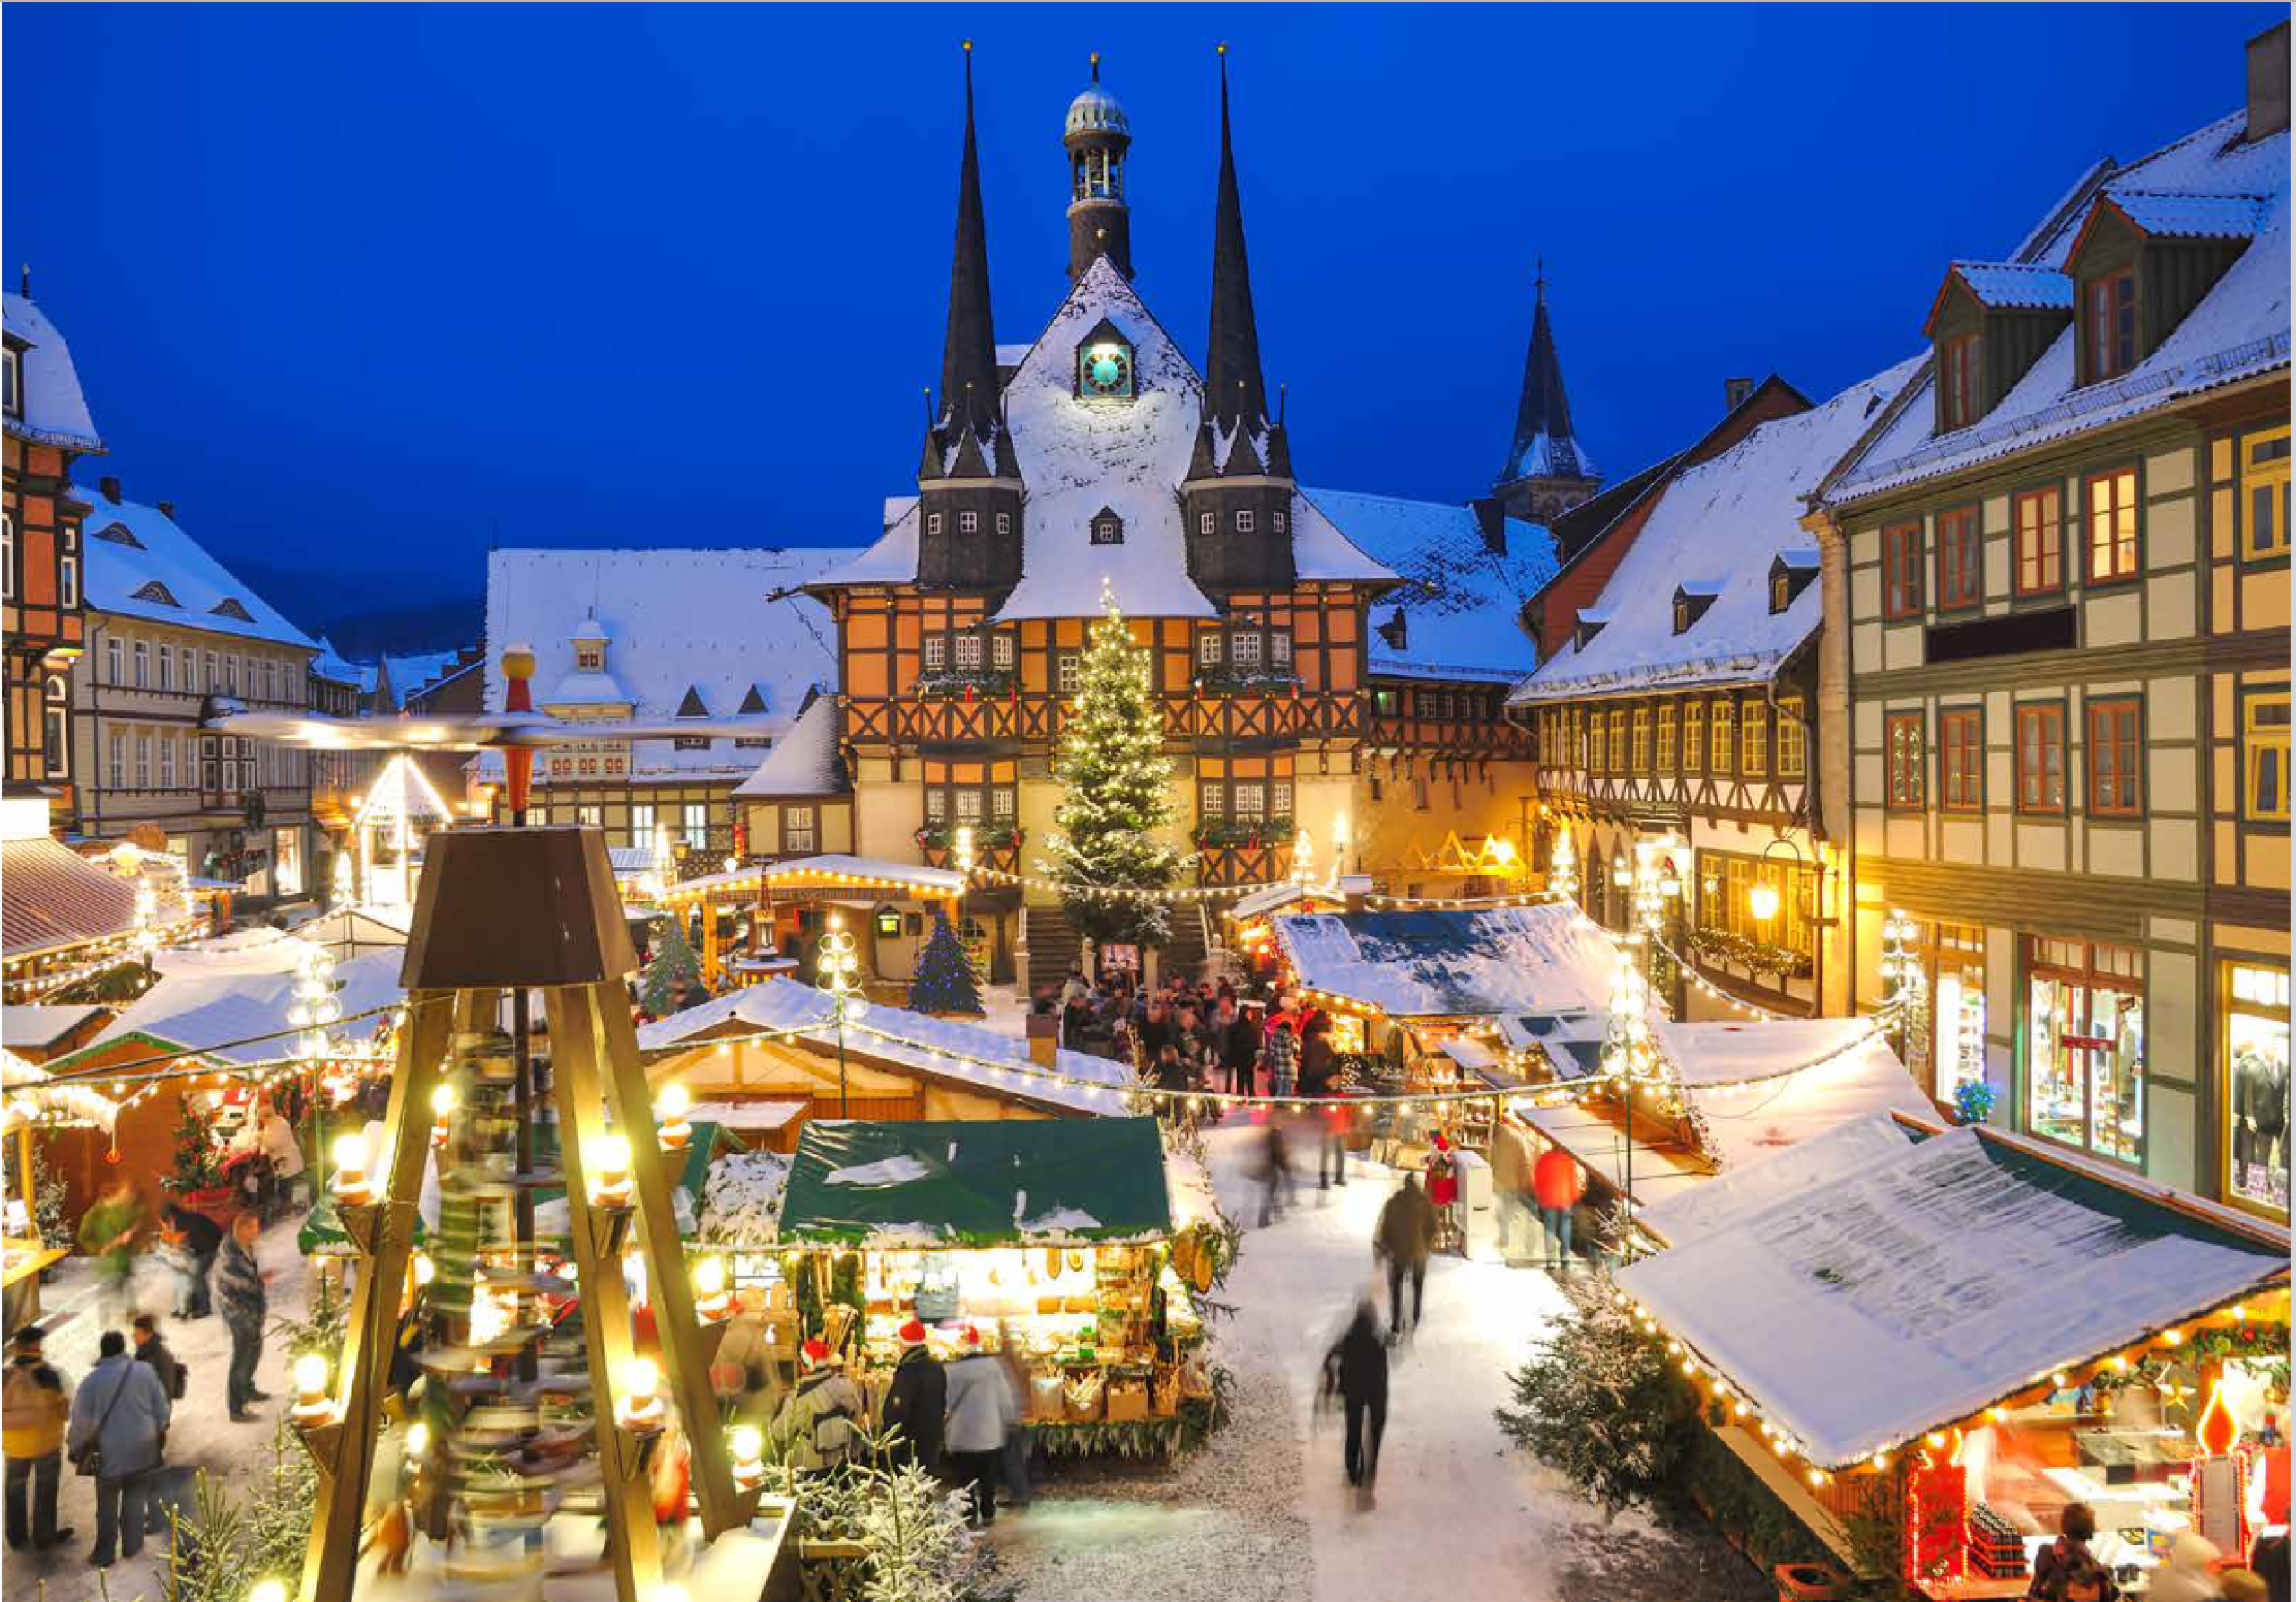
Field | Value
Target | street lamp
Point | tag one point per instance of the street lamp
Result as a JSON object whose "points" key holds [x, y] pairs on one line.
{"points": [[1562, 866], [837, 963]]}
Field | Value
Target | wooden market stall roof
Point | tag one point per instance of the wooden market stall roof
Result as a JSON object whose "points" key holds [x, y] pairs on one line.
{"points": [[911, 1185], [1908, 1284], [1439, 962], [838, 871], [32, 1098]]}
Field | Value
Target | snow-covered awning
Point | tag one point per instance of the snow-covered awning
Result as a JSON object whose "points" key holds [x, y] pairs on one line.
{"points": [[1453, 962], [838, 871], [1924, 1284], [1756, 1088], [33, 1097]]}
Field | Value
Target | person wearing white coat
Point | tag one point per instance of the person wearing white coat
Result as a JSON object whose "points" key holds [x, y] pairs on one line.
{"points": [[981, 1411]]}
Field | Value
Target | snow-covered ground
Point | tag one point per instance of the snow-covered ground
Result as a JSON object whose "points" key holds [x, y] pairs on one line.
{"points": [[200, 1434], [1264, 1512]]}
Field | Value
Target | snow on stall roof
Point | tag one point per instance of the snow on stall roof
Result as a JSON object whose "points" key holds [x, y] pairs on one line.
{"points": [[910, 1039], [167, 576], [418, 670], [1077, 458], [804, 761], [2193, 216], [676, 620], [1475, 961], [1849, 1147], [204, 997], [2239, 330], [1744, 506], [1461, 602], [54, 410], [1751, 1097], [1924, 1285], [741, 1199]]}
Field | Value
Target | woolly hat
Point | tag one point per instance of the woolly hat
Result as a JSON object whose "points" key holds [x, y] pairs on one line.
{"points": [[912, 1333], [816, 1353]]}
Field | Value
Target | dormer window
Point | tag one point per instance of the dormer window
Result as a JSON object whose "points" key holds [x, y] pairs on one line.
{"points": [[1790, 573], [2109, 324], [12, 383], [1104, 365], [1108, 528], [693, 706], [1591, 622], [155, 591], [1958, 389], [1691, 602], [589, 657]]}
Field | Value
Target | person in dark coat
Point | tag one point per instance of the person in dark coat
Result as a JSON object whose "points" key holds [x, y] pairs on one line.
{"points": [[150, 1348], [1357, 1368], [1239, 1046], [915, 1403], [1405, 1235], [193, 1239], [2055, 1565], [1319, 1076], [240, 1288]]}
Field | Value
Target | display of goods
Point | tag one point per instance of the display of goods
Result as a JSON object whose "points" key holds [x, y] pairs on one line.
{"points": [[1164, 1390], [1127, 1401], [1995, 1548], [1086, 1397], [1048, 1398], [1936, 1506]]}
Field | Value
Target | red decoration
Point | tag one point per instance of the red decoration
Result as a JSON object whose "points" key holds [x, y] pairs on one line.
{"points": [[1936, 1507]]}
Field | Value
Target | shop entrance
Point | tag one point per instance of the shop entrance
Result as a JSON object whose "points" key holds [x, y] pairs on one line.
{"points": [[2084, 1059]]}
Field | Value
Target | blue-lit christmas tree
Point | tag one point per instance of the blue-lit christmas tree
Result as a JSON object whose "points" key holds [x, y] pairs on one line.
{"points": [[944, 981]]}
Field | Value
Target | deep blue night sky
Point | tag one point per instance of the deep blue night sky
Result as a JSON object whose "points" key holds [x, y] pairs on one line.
{"points": [[368, 287]]}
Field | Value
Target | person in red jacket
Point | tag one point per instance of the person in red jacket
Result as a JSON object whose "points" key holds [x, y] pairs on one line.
{"points": [[1558, 1182]]}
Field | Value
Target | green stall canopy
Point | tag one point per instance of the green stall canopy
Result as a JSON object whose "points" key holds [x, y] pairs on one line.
{"points": [[1016, 1182]]}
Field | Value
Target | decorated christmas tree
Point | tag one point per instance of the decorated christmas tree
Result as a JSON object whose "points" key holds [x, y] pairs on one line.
{"points": [[672, 970], [196, 1169], [944, 981], [1116, 800]]}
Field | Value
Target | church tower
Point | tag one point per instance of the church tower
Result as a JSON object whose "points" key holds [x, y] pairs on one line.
{"points": [[1237, 497], [1546, 474], [1098, 136], [968, 482]]}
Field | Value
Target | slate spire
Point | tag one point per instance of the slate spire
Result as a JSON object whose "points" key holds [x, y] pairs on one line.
{"points": [[969, 380], [1233, 391], [1544, 444]]}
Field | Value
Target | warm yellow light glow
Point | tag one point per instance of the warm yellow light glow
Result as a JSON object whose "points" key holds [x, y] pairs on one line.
{"points": [[2172, 1337], [268, 1590], [675, 1102], [710, 1274], [749, 1445], [418, 1439], [310, 1376], [442, 1101], [639, 1379], [351, 1153], [609, 1156], [1761, 900], [425, 1270]]}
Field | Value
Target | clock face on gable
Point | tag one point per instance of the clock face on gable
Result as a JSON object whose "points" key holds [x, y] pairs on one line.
{"points": [[1104, 370]]}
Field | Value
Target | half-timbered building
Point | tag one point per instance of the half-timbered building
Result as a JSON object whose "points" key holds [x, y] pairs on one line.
{"points": [[45, 428], [2061, 697], [1679, 705]]}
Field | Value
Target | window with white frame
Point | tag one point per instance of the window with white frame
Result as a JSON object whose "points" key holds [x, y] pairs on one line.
{"points": [[1244, 520], [968, 652], [1280, 521], [8, 535], [1207, 523], [641, 824], [1244, 649], [797, 835], [1002, 649], [55, 748], [117, 744], [1207, 648], [144, 760], [968, 522], [697, 823], [142, 654], [936, 652], [112, 661], [1069, 672], [67, 580]]}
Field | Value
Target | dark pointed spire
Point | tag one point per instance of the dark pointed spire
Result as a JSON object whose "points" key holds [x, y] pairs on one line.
{"points": [[1234, 392], [1543, 446], [968, 354]]}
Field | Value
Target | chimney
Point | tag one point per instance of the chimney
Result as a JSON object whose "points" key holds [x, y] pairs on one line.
{"points": [[2267, 83], [1734, 392], [110, 487], [167, 509]]}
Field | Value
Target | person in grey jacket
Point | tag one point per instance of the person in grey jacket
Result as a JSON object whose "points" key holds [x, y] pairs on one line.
{"points": [[245, 1304], [121, 1410], [982, 1412]]}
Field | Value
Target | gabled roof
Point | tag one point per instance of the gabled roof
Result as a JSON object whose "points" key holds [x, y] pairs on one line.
{"points": [[2004, 286], [165, 576], [1736, 512], [804, 761], [2211, 185], [211, 996], [1461, 601], [679, 621], [418, 670], [1436, 962], [56, 413], [51, 896]]}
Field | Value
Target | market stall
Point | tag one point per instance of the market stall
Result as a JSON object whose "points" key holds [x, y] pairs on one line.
{"points": [[1968, 1331], [1059, 1242], [33, 1102]]}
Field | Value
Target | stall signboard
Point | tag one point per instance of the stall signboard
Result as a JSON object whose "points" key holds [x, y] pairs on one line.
{"points": [[1127, 957]]}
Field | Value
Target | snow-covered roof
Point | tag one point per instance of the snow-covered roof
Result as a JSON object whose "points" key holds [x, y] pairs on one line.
{"points": [[2210, 184], [1792, 1171], [1461, 602], [741, 1199], [804, 761], [837, 867], [1926, 1283], [32, 1097], [56, 412], [2008, 283], [1751, 1096], [31, 1027], [335, 668], [417, 669], [218, 992], [1078, 457], [1738, 512], [1444, 963], [139, 563], [678, 620], [966, 1052]]}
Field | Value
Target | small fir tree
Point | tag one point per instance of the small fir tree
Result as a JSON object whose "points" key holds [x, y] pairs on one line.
{"points": [[945, 980], [672, 972], [1601, 1404], [1115, 781], [194, 1168]]}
